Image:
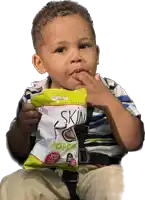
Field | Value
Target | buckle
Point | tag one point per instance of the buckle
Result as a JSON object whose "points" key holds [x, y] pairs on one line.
{"points": [[83, 156]]}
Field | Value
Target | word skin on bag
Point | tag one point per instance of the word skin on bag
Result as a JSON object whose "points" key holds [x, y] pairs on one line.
{"points": [[74, 117], [69, 116], [63, 146]]}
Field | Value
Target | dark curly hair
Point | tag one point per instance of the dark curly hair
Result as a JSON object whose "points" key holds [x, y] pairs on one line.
{"points": [[53, 9]]}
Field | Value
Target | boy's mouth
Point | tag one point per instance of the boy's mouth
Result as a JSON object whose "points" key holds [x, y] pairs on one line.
{"points": [[79, 70]]}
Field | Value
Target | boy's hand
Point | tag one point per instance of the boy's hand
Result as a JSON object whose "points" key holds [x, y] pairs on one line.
{"points": [[96, 89], [28, 118]]}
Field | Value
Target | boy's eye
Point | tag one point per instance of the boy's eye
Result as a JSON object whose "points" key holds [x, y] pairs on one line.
{"points": [[84, 46], [60, 50], [81, 46]]}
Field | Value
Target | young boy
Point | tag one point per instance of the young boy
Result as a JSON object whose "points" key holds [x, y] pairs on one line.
{"points": [[65, 44]]}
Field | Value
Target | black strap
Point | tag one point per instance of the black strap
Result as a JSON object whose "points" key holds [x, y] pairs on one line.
{"points": [[90, 110], [71, 180], [82, 130]]}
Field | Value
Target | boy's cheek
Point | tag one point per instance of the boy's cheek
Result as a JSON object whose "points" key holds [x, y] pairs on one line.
{"points": [[93, 69]]}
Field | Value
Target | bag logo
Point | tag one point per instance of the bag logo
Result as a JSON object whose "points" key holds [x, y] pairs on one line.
{"points": [[69, 135], [52, 158]]}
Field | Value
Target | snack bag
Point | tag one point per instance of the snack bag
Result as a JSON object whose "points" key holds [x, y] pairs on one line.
{"points": [[57, 145]]}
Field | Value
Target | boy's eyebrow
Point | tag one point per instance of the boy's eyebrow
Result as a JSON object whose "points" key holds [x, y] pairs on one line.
{"points": [[67, 42]]}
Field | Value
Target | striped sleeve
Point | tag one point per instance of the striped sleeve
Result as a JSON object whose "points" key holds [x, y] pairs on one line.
{"points": [[123, 97]]}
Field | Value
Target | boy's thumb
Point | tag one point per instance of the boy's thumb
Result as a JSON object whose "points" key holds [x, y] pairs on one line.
{"points": [[97, 76]]}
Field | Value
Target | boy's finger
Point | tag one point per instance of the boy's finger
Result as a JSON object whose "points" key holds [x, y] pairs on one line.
{"points": [[84, 77], [31, 121], [32, 114], [27, 107], [97, 76]]}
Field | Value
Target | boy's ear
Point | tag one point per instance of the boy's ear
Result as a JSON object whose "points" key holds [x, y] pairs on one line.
{"points": [[38, 64], [98, 53]]}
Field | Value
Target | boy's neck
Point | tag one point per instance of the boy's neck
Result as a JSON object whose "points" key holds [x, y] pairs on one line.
{"points": [[53, 85]]}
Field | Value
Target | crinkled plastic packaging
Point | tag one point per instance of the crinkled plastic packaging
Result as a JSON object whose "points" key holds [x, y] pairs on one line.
{"points": [[57, 144]]}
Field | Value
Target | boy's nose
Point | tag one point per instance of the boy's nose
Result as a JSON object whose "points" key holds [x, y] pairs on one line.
{"points": [[75, 57], [76, 60]]}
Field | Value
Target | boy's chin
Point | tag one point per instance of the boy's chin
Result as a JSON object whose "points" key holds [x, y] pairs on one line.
{"points": [[69, 88], [73, 87]]}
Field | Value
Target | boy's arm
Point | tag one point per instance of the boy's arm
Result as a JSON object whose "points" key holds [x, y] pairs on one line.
{"points": [[20, 143], [124, 119]]}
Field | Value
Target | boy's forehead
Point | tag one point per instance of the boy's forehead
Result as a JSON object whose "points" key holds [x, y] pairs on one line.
{"points": [[67, 28]]}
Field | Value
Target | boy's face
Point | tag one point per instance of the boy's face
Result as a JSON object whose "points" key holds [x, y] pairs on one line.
{"points": [[69, 47]]}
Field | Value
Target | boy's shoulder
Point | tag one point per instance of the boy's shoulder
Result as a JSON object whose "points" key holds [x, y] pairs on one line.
{"points": [[38, 86], [114, 87], [109, 82]]}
